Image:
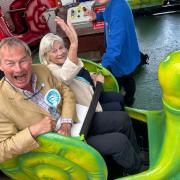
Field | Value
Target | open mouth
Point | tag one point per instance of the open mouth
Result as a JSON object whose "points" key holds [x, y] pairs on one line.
{"points": [[20, 78]]}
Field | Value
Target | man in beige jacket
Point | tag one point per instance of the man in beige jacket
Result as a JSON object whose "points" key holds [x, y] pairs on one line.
{"points": [[24, 115]]}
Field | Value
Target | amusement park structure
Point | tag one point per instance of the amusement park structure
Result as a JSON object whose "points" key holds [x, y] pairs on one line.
{"points": [[25, 19], [54, 159]]}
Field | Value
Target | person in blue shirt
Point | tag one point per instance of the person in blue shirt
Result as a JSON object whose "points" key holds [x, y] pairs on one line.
{"points": [[122, 55]]}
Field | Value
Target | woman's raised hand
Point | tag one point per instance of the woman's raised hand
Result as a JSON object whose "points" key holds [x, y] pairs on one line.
{"points": [[68, 29], [73, 38]]}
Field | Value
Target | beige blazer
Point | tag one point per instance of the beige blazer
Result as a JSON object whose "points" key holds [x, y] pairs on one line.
{"points": [[67, 73], [17, 114]]}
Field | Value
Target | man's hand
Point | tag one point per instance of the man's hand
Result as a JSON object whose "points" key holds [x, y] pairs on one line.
{"points": [[90, 13], [65, 129], [46, 125]]}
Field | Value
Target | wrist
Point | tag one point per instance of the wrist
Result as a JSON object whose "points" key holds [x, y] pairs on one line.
{"points": [[32, 132], [73, 46], [66, 126]]}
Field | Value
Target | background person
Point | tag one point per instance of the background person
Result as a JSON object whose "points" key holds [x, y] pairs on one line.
{"points": [[122, 55]]}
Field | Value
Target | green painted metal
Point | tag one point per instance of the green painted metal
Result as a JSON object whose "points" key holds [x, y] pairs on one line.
{"points": [[138, 4], [58, 157], [163, 125], [110, 83]]}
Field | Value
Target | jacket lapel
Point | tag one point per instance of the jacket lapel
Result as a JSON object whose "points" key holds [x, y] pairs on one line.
{"points": [[20, 100]]}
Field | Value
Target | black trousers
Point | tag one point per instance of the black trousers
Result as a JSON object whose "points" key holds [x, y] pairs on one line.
{"points": [[111, 101], [112, 134], [129, 85]]}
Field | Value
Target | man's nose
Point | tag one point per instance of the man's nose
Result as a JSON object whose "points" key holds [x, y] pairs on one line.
{"points": [[18, 67]]}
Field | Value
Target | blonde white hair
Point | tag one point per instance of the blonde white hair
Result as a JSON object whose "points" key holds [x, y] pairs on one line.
{"points": [[46, 45]]}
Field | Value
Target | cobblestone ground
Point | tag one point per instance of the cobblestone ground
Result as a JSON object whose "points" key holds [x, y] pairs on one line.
{"points": [[158, 36]]}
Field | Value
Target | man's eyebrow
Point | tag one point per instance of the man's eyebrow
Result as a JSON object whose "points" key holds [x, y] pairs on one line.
{"points": [[6, 60]]}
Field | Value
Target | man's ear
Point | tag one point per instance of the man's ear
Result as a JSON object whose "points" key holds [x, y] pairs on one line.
{"points": [[1, 72], [1, 67], [1, 63], [31, 60]]}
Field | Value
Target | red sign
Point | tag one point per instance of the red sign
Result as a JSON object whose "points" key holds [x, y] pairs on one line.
{"points": [[98, 24]]}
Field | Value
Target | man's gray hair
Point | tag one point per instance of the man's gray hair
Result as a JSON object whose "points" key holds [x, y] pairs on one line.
{"points": [[12, 41]]}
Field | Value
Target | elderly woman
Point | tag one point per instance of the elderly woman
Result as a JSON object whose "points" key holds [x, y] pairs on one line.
{"points": [[66, 66], [111, 133]]}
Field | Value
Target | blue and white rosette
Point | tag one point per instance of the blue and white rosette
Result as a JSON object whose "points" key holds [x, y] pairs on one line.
{"points": [[52, 99]]}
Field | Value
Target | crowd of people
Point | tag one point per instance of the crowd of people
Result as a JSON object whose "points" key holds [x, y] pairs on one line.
{"points": [[24, 85]]}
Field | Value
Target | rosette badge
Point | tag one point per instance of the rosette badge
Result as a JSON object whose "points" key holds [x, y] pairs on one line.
{"points": [[52, 98]]}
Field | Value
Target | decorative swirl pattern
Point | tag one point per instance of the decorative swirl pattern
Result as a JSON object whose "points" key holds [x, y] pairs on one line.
{"points": [[34, 15], [58, 157]]}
